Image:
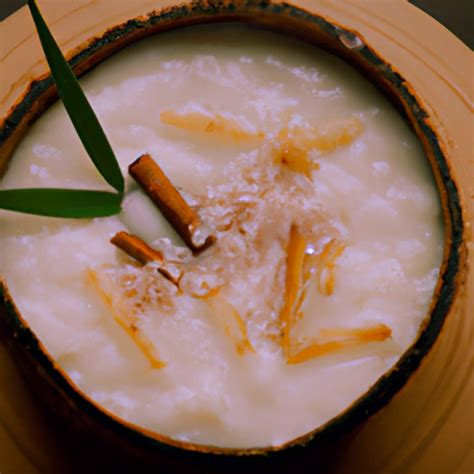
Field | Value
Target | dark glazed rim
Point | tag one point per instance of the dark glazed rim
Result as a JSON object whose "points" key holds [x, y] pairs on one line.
{"points": [[323, 32]]}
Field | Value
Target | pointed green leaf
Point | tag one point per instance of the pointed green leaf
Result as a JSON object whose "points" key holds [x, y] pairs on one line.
{"points": [[56, 202], [77, 106]]}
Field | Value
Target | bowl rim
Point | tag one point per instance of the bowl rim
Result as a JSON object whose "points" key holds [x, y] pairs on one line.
{"points": [[279, 17]]}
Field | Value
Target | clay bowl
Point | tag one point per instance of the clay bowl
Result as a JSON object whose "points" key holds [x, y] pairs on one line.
{"points": [[99, 31]]}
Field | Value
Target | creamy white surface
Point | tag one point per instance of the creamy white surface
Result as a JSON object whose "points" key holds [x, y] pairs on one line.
{"points": [[379, 189]]}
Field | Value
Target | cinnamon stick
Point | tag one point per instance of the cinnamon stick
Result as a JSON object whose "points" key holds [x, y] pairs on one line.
{"points": [[148, 174], [136, 248], [141, 251]]}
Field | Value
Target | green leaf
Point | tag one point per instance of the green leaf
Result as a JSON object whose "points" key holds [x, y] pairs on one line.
{"points": [[56, 202], [77, 106]]}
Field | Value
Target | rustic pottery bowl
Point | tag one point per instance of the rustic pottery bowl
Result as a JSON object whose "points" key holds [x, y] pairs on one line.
{"points": [[419, 82]]}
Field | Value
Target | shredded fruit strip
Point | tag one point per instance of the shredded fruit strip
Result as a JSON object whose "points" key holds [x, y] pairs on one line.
{"points": [[296, 142], [141, 341], [207, 292], [342, 339], [291, 155], [231, 322], [325, 269], [324, 137], [379, 332], [295, 258], [300, 265], [196, 118]]}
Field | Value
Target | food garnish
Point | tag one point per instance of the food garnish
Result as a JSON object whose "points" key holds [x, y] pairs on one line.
{"points": [[196, 118], [141, 251], [340, 338], [323, 137], [294, 283], [302, 264], [325, 270], [232, 323], [148, 174], [295, 143], [127, 321]]}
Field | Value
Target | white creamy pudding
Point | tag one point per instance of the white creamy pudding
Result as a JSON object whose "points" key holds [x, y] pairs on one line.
{"points": [[328, 239]]}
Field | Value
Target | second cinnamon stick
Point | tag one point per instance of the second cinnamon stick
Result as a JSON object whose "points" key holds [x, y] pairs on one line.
{"points": [[136, 248], [141, 251]]}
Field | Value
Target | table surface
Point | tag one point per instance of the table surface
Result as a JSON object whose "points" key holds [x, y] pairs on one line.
{"points": [[436, 423], [458, 20]]}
